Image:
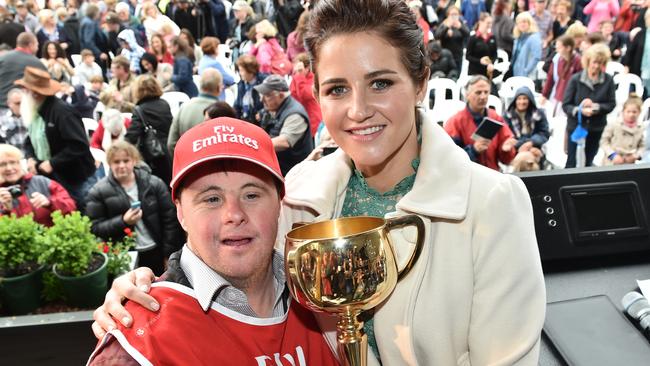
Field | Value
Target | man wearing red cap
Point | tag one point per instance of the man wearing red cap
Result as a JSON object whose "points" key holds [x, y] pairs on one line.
{"points": [[224, 297]]}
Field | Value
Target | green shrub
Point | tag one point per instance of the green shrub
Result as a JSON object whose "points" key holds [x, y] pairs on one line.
{"points": [[69, 244], [21, 244]]}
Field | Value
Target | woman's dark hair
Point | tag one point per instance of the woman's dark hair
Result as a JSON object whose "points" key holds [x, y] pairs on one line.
{"points": [[60, 52], [220, 109], [190, 37], [248, 63], [151, 58], [390, 19]]}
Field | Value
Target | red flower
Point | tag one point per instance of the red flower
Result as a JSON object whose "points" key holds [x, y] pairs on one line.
{"points": [[106, 248], [128, 231]]}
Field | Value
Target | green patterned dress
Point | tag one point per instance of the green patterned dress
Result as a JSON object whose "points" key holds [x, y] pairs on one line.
{"points": [[362, 200]]}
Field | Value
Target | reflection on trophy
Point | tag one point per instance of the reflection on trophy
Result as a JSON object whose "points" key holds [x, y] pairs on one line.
{"points": [[346, 266]]}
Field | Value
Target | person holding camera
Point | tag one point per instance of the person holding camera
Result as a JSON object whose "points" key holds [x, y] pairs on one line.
{"points": [[22, 193]]}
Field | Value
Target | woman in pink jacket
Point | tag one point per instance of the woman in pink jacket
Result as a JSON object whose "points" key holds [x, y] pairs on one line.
{"points": [[600, 10], [266, 45]]}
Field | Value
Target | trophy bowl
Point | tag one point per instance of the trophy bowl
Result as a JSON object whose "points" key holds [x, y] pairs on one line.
{"points": [[346, 266]]}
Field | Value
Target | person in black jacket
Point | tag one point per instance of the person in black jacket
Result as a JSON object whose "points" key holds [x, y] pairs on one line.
{"points": [[57, 145], [482, 48], [113, 206], [286, 16], [442, 62], [453, 33], [590, 95], [634, 56], [155, 112]]}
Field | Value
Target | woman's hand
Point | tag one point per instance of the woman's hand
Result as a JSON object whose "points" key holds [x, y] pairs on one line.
{"points": [[133, 286], [39, 200], [132, 216], [5, 199]]}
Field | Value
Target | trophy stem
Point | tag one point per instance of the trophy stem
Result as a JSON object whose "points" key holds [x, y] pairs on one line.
{"points": [[352, 341]]}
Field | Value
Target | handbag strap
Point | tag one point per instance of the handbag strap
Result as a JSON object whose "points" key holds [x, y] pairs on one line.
{"points": [[140, 115]]}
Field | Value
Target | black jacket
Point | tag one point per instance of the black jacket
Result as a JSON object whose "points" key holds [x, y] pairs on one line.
{"points": [[70, 155], [478, 48], [444, 66], [107, 202], [157, 114], [577, 91], [632, 58], [286, 16]]}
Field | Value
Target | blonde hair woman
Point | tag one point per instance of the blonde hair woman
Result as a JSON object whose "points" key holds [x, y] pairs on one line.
{"points": [[266, 45], [590, 97], [527, 50]]}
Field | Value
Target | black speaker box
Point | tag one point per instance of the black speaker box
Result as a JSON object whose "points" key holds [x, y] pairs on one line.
{"points": [[590, 212]]}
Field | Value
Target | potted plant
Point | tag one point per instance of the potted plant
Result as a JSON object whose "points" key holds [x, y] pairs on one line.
{"points": [[77, 261], [119, 260], [21, 243]]}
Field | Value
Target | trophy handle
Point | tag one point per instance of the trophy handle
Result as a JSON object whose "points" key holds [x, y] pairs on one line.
{"points": [[408, 220]]}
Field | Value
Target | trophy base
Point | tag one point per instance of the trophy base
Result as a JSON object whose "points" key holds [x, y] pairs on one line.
{"points": [[352, 341]]}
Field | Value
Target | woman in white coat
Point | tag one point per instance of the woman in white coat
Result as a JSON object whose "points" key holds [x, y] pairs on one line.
{"points": [[476, 294]]}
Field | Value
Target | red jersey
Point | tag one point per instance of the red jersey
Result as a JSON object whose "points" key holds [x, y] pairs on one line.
{"points": [[182, 334]]}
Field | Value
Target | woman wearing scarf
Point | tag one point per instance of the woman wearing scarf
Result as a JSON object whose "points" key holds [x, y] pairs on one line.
{"points": [[528, 46]]}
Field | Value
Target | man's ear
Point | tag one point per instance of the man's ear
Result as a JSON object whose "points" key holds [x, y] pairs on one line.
{"points": [[179, 213]]}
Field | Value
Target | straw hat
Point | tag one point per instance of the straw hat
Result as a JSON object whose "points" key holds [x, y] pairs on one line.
{"points": [[39, 81]]}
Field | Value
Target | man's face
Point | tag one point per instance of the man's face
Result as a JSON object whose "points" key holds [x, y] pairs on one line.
{"points": [[10, 169], [14, 103], [272, 101], [477, 96], [231, 219], [118, 72], [540, 6]]}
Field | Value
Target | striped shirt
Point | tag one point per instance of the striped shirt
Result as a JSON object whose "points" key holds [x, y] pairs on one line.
{"points": [[210, 286]]}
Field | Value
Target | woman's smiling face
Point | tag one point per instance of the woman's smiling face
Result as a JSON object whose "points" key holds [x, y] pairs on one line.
{"points": [[367, 97]]}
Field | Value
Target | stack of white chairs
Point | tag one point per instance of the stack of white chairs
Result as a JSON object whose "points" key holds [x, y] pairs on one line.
{"points": [[175, 100], [443, 108], [614, 68], [76, 59], [510, 86], [623, 83], [495, 103]]}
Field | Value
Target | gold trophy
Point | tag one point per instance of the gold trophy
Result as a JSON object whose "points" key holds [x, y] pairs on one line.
{"points": [[346, 266]]}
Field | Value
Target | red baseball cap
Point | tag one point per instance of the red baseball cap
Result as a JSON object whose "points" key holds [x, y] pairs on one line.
{"points": [[224, 138]]}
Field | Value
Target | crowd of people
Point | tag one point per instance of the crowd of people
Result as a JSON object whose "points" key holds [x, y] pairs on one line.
{"points": [[311, 77]]}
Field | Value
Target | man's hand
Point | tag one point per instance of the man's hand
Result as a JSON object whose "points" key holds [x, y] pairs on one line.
{"points": [[618, 159], [132, 216], [508, 144], [133, 286], [481, 145], [45, 167], [103, 56], [38, 200]]}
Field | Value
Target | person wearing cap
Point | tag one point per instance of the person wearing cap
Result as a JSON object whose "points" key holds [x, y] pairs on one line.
{"points": [[286, 121], [57, 145], [13, 63], [244, 19], [442, 62], [224, 296]]}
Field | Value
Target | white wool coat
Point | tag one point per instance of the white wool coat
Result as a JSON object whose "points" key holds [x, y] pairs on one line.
{"points": [[476, 295]]}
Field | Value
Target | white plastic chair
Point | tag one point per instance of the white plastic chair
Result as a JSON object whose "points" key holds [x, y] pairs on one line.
{"points": [[510, 86], [440, 86], [230, 97], [613, 68], [224, 53], [447, 108], [495, 103], [645, 111], [502, 55], [197, 81], [127, 115], [502, 67], [623, 82], [175, 100], [76, 59], [90, 125], [540, 73]]}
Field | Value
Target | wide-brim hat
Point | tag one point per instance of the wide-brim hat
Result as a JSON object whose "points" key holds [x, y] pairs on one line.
{"points": [[38, 80], [224, 138]]}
